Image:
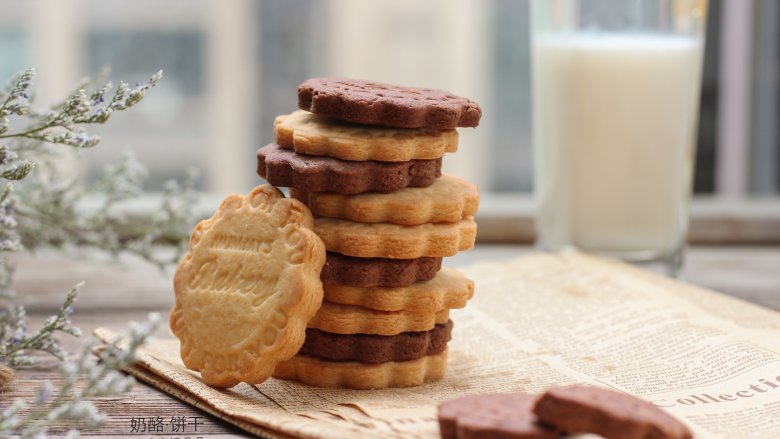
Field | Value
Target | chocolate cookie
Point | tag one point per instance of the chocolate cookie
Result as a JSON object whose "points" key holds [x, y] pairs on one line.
{"points": [[377, 272], [324, 174], [587, 409], [373, 103], [369, 348], [500, 415]]}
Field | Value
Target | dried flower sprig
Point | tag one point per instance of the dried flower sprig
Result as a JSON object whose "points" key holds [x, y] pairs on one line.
{"points": [[40, 206], [47, 210], [16, 343], [98, 216], [62, 124], [9, 241], [84, 377]]}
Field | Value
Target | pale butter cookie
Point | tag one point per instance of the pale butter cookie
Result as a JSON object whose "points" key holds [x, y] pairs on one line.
{"points": [[247, 287], [356, 375], [385, 240], [448, 289], [307, 133], [448, 199], [349, 319]]}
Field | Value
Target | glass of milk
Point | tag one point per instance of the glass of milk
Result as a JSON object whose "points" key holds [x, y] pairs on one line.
{"points": [[615, 109]]}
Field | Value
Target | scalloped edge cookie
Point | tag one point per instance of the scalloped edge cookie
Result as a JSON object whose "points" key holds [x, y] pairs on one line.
{"points": [[373, 103], [371, 348], [608, 413], [385, 240], [377, 272], [286, 168], [362, 376], [448, 199], [251, 244], [492, 415], [349, 319], [448, 289], [308, 133]]}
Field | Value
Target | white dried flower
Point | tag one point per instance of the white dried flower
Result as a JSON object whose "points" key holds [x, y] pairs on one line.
{"points": [[44, 393], [71, 404], [51, 213]]}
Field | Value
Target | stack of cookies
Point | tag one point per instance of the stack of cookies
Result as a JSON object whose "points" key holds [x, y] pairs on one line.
{"points": [[366, 159]]}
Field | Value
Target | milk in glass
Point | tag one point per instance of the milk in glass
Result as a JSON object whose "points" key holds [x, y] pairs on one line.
{"points": [[614, 120]]}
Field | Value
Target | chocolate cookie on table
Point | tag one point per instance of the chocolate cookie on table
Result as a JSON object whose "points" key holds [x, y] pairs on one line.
{"points": [[614, 415], [499, 415], [286, 168], [373, 103]]}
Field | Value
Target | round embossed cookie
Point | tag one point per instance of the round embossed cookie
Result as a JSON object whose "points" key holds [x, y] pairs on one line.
{"points": [[372, 103], [326, 174], [308, 133], [247, 287], [499, 415], [448, 199], [370, 348], [377, 272]]}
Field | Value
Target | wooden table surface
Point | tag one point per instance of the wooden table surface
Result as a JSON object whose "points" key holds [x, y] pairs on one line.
{"points": [[116, 293]]}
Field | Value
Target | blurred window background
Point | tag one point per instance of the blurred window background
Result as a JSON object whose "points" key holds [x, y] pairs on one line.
{"points": [[232, 66]]}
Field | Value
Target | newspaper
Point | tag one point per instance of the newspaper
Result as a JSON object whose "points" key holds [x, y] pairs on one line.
{"points": [[539, 321]]}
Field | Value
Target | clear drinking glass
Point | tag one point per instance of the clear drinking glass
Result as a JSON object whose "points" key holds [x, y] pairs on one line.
{"points": [[615, 108]]}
